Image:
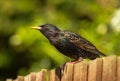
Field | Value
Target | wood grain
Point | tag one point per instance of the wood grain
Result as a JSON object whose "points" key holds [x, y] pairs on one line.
{"points": [[95, 70], [20, 78], [32, 76], [67, 75], [80, 71], [26, 78], [41, 76], [118, 68], [55, 75], [109, 69]]}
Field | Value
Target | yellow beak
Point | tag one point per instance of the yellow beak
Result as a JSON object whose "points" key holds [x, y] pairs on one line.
{"points": [[36, 27]]}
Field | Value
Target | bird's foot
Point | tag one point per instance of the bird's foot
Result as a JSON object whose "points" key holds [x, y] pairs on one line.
{"points": [[77, 60]]}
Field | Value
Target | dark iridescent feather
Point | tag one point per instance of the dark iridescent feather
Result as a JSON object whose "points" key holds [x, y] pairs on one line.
{"points": [[82, 45]]}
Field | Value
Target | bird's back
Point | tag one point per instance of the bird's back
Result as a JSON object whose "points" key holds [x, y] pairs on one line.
{"points": [[75, 46]]}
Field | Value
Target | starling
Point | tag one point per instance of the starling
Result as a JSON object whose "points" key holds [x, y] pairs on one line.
{"points": [[68, 43]]}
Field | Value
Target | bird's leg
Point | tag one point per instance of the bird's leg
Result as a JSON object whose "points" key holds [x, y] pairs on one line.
{"points": [[77, 60]]}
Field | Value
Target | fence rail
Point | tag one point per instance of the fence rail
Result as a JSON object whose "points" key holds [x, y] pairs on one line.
{"points": [[100, 69]]}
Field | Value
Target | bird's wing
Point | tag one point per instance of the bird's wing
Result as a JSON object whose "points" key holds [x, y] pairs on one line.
{"points": [[82, 43]]}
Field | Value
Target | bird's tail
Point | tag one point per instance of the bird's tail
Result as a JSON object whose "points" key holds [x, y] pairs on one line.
{"points": [[103, 54]]}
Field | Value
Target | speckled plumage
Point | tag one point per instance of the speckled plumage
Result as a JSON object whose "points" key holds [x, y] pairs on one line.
{"points": [[70, 44]]}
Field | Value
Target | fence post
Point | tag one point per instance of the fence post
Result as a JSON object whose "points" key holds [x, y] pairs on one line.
{"points": [[80, 71], [100, 69], [109, 68]]}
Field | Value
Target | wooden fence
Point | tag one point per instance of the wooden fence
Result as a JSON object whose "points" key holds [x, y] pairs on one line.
{"points": [[101, 69]]}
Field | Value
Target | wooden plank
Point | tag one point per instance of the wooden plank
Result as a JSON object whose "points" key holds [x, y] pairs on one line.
{"points": [[26, 78], [68, 72], [20, 78], [80, 71], [118, 68], [55, 75], [32, 76], [9, 80], [109, 69], [41, 76], [95, 70]]}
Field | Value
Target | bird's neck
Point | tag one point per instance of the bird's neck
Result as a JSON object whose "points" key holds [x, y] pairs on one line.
{"points": [[54, 39], [58, 40]]}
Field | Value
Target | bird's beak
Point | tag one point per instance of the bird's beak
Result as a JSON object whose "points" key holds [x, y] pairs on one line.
{"points": [[36, 27]]}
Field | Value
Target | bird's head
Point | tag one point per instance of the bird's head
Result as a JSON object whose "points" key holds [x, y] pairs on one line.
{"points": [[48, 30]]}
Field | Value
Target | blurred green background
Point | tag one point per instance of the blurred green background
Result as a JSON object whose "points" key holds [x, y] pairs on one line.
{"points": [[23, 50]]}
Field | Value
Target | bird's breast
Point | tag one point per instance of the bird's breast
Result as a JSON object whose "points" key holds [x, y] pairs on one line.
{"points": [[66, 48]]}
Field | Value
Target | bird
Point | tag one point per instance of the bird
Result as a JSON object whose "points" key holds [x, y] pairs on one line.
{"points": [[69, 43]]}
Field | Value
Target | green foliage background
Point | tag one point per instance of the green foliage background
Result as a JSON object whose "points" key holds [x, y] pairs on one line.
{"points": [[23, 50]]}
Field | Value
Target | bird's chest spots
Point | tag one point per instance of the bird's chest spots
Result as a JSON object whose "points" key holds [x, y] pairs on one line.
{"points": [[71, 36]]}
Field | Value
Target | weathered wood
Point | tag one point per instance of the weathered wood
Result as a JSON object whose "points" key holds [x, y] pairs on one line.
{"points": [[109, 69], [9, 80], [118, 68], [20, 78], [80, 71], [55, 75], [32, 76], [26, 78], [95, 70], [101, 69], [41, 76], [67, 75]]}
